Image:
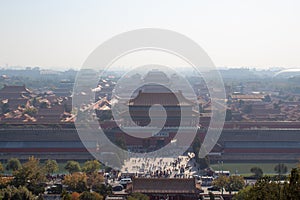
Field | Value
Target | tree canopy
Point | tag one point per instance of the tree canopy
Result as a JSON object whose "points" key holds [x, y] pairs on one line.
{"points": [[231, 183], [281, 169], [16, 193], [258, 172], [76, 182], [272, 189], [51, 166], [91, 166], [13, 164], [72, 166], [30, 172], [1, 168], [90, 196]]}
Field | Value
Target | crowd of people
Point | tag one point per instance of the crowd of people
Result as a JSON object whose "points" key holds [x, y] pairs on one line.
{"points": [[180, 167]]}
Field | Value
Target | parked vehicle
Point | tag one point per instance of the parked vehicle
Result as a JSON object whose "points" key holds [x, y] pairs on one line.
{"points": [[55, 189], [125, 181]]}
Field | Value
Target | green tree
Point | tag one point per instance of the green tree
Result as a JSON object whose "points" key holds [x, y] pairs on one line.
{"points": [[65, 195], [138, 196], [95, 181], [90, 196], [13, 164], [231, 183], [235, 183], [72, 166], [91, 166], [292, 188], [103, 189], [281, 169], [267, 188], [16, 196], [258, 172], [76, 181], [30, 175], [40, 197], [221, 182], [243, 194], [1, 168], [13, 193], [264, 188], [51, 166]]}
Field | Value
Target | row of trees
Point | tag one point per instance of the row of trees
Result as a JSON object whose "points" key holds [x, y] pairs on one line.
{"points": [[51, 166], [88, 167], [28, 180], [14, 165], [272, 189], [229, 183], [280, 169], [266, 187]]}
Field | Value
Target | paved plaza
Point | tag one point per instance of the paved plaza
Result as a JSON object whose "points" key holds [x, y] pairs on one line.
{"points": [[181, 167]]}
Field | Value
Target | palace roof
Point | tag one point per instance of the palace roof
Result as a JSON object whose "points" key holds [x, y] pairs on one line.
{"points": [[164, 185], [164, 99]]}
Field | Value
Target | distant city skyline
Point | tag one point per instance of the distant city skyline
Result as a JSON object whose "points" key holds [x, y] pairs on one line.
{"points": [[55, 68], [61, 34]]}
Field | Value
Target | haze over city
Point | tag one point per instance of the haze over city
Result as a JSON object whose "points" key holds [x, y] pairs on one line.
{"points": [[61, 34]]}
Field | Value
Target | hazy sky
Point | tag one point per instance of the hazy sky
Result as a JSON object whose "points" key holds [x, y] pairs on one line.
{"points": [[254, 33]]}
